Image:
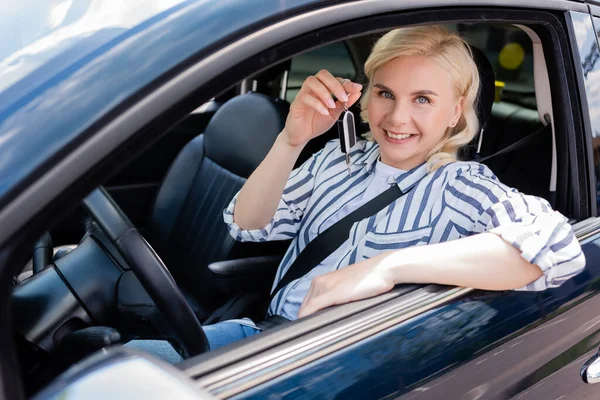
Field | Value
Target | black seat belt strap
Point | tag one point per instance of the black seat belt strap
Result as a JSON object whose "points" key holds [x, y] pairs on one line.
{"points": [[333, 237], [515, 145]]}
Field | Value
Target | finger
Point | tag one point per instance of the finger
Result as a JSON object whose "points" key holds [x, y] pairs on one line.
{"points": [[313, 304], [317, 89], [340, 107], [350, 87], [314, 103], [306, 299], [353, 98], [332, 84], [306, 309]]}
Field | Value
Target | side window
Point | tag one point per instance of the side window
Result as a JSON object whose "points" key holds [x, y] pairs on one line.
{"points": [[590, 54], [510, 51], [333, 57]]}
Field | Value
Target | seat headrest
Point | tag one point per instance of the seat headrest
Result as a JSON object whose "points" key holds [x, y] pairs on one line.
{"points": [[487, 86], [241, 133]]}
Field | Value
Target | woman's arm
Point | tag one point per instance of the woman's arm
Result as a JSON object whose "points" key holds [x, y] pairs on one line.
{"points": [[312, 113], [483, 261], [258, 199]]}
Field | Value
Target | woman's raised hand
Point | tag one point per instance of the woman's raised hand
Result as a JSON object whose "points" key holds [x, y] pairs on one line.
{"points": [[314, 110]]}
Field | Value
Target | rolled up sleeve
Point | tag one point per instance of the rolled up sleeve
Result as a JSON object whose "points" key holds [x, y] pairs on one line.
{"points": [[543, 236], [290, 211]]}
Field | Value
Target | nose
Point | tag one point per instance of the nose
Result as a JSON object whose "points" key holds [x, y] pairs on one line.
{"points": [[399, 113]]}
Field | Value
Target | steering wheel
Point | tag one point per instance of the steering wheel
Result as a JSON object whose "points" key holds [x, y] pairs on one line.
{"points": [[149, 269]]}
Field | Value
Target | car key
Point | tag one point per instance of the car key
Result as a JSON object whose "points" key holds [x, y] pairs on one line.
{"points": [[347, 133]]}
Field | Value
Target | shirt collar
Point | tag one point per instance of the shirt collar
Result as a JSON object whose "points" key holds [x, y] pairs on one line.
{"points": [[405, 181], [368, 158]]}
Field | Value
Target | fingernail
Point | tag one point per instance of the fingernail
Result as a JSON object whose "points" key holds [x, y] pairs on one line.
{"points": [[331, 103], [357, 85], [344, 98], [323, 110]]}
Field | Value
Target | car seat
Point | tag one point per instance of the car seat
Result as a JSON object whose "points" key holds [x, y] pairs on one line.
{"points": [[187, 228]]}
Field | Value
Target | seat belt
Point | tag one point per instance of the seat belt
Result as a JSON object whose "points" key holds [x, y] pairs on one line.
{"points": [[516, 145], [333, 237]]}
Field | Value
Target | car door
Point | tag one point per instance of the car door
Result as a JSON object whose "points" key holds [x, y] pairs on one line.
{"points": [[438, 342]]}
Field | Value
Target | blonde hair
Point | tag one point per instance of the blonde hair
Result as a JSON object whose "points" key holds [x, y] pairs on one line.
{"points": [[453, 53]]}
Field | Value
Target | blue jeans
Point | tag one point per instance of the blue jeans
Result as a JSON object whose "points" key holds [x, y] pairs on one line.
{"points": [[218, 335]]}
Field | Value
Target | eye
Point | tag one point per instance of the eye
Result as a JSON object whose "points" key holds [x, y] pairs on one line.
{"points": [[422, 100], [386, 95]]}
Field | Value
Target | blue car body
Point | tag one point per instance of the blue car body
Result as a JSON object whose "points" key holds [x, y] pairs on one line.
{"points": [[493, 345]]}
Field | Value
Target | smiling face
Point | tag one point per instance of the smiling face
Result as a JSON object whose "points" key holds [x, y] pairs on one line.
{"points": [[411, 105]]}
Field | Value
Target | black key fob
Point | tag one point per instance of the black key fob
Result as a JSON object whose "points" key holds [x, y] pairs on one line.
{"points": [[346, 131]]}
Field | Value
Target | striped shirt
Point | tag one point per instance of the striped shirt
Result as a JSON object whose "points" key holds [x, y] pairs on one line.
{"points": [[457, 200]]}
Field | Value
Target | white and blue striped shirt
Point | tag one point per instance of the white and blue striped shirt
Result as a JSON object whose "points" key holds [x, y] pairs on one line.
{"points": [[457, 200]]}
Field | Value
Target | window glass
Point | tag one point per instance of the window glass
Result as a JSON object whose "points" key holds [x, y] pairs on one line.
{"points": [[510, 52], [333, 57], [589, 54]]}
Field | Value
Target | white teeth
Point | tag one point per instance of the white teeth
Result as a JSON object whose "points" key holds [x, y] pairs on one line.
{"points": [[405, 136]]}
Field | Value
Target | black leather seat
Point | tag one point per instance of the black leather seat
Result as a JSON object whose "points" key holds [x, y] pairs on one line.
{"points": [[187, 228]]}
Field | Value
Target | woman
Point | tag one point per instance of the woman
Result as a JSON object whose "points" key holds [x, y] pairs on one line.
{"points": [[419, 103]]}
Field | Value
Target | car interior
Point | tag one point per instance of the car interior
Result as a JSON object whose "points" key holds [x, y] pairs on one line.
{"points": [[175, 192]]}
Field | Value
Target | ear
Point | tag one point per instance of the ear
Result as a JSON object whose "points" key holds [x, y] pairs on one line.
{"points": [[458, 109]]}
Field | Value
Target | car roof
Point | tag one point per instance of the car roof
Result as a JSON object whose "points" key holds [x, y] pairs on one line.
{"points": [[70, 83]]}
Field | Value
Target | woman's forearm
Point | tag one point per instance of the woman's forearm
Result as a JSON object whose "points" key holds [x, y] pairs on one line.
{"points": [[257, 202], [483, 261]]}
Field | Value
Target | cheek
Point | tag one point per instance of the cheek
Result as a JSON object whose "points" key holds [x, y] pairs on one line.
{"points": [[430, 119], [423, 118], [374, 110]]}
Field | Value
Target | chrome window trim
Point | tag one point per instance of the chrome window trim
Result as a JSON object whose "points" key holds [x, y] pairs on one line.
{"points": [[248, 373], [286, 357], [587, 230], [64, 173]]}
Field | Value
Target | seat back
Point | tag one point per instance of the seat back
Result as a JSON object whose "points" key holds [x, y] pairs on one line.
{"points": [[187, 229]]}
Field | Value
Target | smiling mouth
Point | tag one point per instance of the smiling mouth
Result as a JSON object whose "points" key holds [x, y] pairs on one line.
{"points": [[399, 136]]}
